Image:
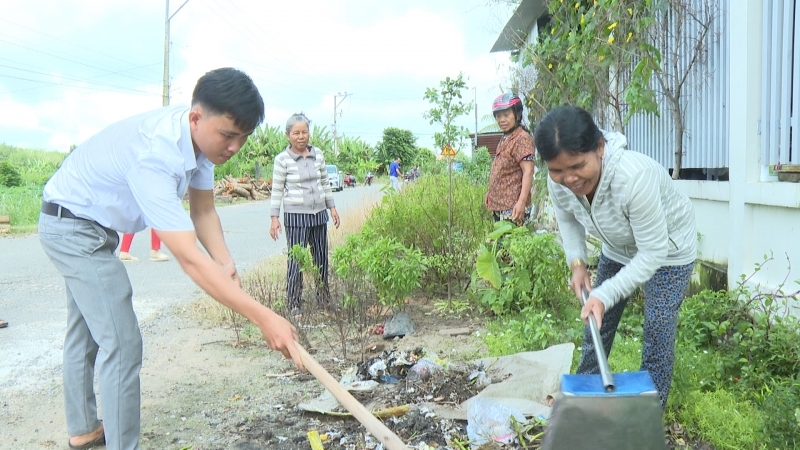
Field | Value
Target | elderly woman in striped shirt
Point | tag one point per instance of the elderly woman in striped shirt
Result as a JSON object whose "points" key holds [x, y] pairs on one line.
{"points": [[300, 183], [628, 201]]}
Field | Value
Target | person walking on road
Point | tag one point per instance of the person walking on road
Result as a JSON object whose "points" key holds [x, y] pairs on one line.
{"points": [[130, 176], [395, 173], [155, 248], [628, 201], [300, 184], [509, 194]]}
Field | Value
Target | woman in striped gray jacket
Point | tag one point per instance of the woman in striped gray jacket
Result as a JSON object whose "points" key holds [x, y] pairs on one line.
{"points": [[629, 202], [300, 183]]}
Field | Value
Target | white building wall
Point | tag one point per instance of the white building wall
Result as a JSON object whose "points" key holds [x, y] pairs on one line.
{"points": [[751, 215]]}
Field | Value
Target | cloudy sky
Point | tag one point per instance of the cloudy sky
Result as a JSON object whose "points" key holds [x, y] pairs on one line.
{"points": [[70, 68]]}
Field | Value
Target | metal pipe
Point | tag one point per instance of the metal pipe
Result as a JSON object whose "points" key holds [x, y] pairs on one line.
{"points": [[599, 350]]}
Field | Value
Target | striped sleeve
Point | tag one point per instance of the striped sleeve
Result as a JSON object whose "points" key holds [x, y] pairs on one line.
{"points": [[326, 183], [573, 233], [649, 226], [278, 184]]}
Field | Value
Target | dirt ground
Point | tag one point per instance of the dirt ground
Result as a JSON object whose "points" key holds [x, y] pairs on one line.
{"points": [[201, 389]]}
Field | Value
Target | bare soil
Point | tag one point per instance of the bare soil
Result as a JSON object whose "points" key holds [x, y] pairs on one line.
{"points": [[205, 389], [202, 389]]}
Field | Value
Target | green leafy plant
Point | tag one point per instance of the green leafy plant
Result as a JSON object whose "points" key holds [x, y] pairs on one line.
{"points": [[530, 330], [448, 106], [781, 411], [612, 57], [302, 255], [9, 175], [396, 143], [516, 270], [392, 268], [534, 330], [574, 56], [753, 330], [418, 217]]}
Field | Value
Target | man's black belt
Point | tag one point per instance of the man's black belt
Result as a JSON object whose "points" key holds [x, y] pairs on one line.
{"points": [[52, 209]]}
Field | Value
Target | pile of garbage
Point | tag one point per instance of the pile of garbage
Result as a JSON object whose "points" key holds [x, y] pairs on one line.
{"points": [[391, 366], [420, 394]]}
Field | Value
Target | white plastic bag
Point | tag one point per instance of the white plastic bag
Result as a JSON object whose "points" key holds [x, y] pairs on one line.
{"points": [[488, 420], [422, 370]]}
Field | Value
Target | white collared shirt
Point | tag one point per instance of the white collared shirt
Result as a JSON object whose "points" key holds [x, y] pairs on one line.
{"points": [[134, 173]]}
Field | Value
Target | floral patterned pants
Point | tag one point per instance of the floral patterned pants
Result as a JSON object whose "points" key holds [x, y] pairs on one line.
{"points": [[664, 295]]}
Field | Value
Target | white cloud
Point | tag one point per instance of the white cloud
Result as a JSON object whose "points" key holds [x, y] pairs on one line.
{"points": [[299, 54], [23, 117]]}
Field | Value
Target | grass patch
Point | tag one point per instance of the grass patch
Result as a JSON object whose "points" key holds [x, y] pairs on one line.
{"points": [[724, 420], [22, 203]]}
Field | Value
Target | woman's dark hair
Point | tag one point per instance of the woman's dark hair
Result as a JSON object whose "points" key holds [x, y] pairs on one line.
{"points": [[566, 129], [232, 93]]}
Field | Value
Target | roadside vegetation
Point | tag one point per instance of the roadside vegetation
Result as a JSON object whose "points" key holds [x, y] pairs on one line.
{"points": [[735, 384], [736, 381], [23, 173]]}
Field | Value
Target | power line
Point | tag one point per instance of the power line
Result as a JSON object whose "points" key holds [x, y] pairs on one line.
{"points": [[96, 91], [56, 84], [70, 43], [277, 45], [246, 35], [67, 59]]}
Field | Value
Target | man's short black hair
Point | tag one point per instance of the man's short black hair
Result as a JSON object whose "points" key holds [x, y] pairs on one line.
{"points": [[230, 92]]}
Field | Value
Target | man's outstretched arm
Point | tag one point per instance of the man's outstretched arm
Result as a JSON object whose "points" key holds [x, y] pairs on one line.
{"points": [[209, 229], [211, 277]]}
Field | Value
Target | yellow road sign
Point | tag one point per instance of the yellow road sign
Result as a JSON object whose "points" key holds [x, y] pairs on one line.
{"points": [[448, 151]]}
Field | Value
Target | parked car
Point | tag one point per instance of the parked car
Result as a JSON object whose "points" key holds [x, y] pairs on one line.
{"points": [[335, 178]]}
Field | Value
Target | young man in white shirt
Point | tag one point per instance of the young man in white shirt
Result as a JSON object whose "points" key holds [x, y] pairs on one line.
{"points": [[127, 177]]}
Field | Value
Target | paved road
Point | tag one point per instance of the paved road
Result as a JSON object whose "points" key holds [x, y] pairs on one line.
{"points": [[32, 292]]}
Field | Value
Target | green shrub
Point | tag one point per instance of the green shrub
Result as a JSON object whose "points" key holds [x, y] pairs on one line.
{"points": [[722, 419], [781, 411], [418, 217], [527, 270], [33, 166], [392, 268], [9, 175], [302, 256], [757, 342], [479, 167]]}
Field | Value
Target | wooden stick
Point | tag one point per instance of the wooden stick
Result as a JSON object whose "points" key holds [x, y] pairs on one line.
{"points": [[395, 411], [373, 425]]}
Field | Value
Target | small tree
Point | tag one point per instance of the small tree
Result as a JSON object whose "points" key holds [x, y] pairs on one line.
{"points": [[587, 49], [9, 175], [681, 35], [396, 143], [602, 55], [448, 106]]}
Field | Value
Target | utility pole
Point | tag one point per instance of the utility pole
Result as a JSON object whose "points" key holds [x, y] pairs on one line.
{"points": [[335, 113], [475, 101], [167, 18]]}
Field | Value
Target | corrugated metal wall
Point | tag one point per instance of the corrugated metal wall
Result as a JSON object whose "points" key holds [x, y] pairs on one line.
{"points": [[704, 100], [780, 70]]}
